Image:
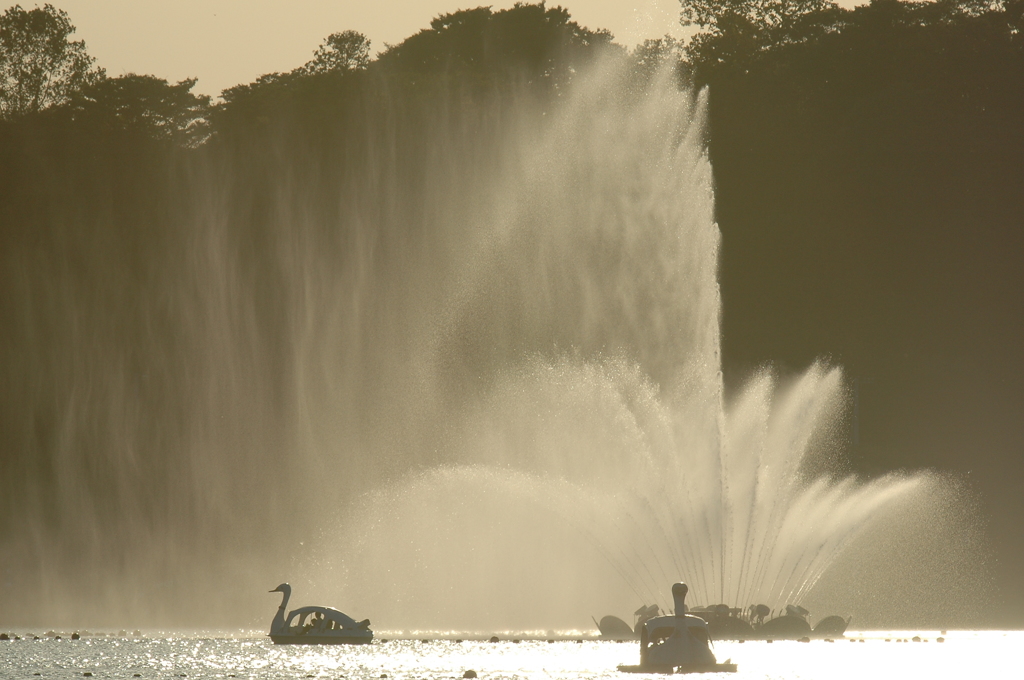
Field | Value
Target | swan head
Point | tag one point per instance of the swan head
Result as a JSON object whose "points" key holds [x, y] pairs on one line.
{"points": [[283, 588], [679, 591]]}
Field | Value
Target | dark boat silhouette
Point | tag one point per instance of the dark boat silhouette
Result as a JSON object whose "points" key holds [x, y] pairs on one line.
{"points": [[316, 625]]}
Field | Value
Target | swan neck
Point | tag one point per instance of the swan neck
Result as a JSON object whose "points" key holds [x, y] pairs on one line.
{"points": [[277, 625]]}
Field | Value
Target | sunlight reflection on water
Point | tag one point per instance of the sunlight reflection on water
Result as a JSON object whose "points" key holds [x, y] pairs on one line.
{"points": [[861, 655]]}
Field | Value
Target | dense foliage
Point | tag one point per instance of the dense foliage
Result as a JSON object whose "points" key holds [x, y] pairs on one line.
{"points": [[39, 66]]}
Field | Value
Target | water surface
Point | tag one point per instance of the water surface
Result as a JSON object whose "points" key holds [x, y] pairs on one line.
{"points": [[860, 656]]}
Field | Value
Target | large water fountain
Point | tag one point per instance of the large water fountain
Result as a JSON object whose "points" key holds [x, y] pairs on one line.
{"points": [[598, 458], [478, 388]]}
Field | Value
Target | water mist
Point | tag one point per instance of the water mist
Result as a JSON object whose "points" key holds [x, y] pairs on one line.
{"points": [[470, 382]]}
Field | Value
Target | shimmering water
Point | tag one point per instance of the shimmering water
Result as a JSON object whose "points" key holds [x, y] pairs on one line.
{"points": [[872, 654]]}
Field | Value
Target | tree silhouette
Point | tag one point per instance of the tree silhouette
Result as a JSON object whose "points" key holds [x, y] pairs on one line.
{"points": [[733, 32], [535, 42], [649, 57], [476, 50], [345, 51], [736, 33], [716, 16], [39, 66], [148, 105]]}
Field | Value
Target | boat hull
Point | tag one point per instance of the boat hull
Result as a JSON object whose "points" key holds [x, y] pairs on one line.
{"points": [[616, 629], [321, 639], [667, 670]]}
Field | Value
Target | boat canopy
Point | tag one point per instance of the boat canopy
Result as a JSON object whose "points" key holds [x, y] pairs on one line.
{"points": [[323, 619]]}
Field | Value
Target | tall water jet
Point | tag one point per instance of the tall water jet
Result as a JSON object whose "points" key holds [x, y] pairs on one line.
{"points": [[590, 456]]}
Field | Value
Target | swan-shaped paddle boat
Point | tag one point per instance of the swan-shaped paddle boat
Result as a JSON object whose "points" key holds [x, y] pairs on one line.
{"points": [[316, 625], [677, 644]]}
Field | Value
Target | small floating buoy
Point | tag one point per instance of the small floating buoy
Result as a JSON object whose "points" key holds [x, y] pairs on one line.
{"points": [[551, 642], [4, 636], [139, 675], [494, 638], [516, 642], [469, 674], [87, 674], [383, 675], [458, 642], [804, 639], [916, 638], [862, 639], [940, 639], [769, 641], [740, 641], [76, 636]]}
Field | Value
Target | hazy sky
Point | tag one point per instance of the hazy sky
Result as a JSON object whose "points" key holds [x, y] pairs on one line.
{"points": [[228, 42]]}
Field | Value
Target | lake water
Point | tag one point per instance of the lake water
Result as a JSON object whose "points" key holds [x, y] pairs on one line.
{"points": [[869, 655]]}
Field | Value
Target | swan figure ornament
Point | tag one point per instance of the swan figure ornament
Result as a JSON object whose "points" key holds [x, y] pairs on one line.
{"points": [[677, 644], [315, 625]]}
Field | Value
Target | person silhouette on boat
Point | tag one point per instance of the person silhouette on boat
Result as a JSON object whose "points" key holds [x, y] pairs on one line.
{"points": [[313, 622]]}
